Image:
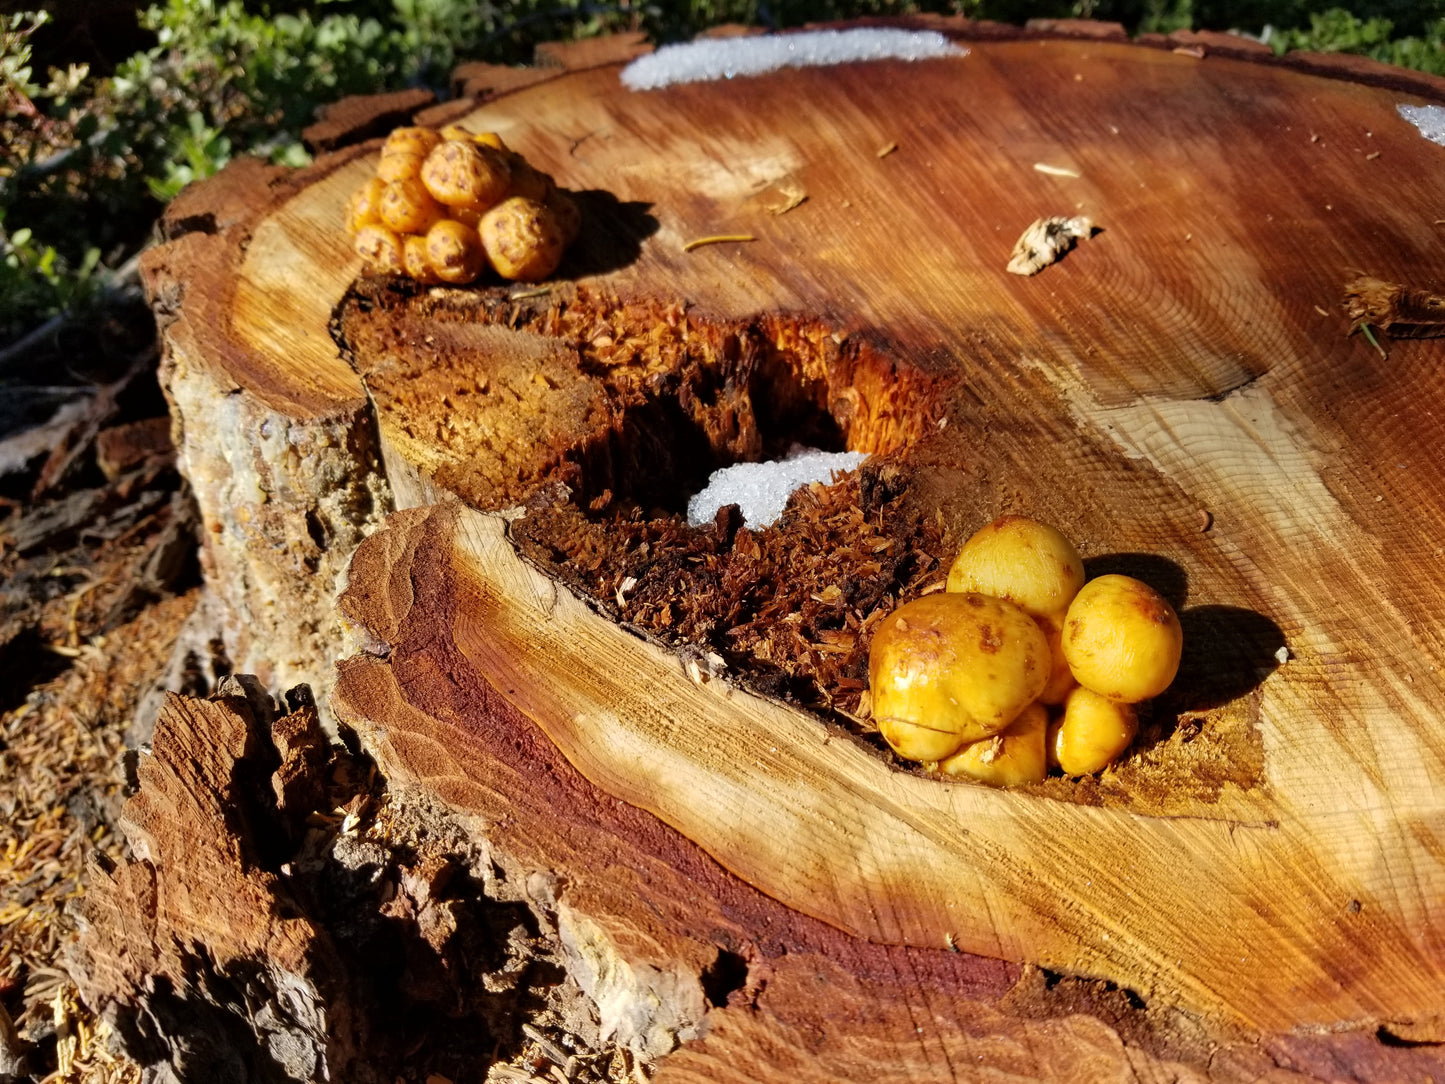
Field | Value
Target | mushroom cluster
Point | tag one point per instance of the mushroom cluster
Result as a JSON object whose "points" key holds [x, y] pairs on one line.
{"points": [[446, 205], [1020, 665]]}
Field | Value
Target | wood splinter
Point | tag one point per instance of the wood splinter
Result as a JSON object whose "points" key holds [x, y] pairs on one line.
{"points": [[1047, 241], [1403, 311]]}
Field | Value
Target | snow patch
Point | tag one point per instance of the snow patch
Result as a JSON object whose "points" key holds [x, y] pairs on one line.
{"points": [[729, 58], [1430, 119], [761, 490]]}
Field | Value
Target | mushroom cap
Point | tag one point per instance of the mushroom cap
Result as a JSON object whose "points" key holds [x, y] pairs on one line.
{"points": [[455, 252], [380, 248], [523, 239], [407, 207], [459, 174]]}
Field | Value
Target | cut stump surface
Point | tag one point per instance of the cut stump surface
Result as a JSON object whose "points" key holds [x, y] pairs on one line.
{"points": [[1179, 394]]}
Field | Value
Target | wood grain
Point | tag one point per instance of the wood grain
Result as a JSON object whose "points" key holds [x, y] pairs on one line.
{"points": [[804, 1002]]}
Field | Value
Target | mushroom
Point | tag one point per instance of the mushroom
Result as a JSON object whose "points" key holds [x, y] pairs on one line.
{"points": [[962, 666], [362, 209], [416, 260], [463, 174], [454, 252], [380, 248], [1027, 562], [523, 239], [1092, 733], [1122, 639], [407, 207], [1015, 755]]}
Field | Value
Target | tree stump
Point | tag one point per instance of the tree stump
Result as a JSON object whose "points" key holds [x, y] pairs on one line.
{"points": [[748, 890]]}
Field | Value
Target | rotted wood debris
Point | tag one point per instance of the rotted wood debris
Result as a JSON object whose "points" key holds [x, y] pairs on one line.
{"points": [[403, 949], [1403, 311]]}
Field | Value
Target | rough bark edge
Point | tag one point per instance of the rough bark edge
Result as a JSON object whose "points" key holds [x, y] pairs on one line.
{"points": [[278, 528], [285, 917], [352, 120], [1199, 43]]}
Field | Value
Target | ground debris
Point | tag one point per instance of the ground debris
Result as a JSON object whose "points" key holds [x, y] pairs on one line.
{"points": [[97, 534], [1047, 241], [62, 759], [785, 197]]}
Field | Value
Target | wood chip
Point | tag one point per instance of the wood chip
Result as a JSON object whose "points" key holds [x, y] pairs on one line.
{"points": [[1399, 309], [887, 149], [787, 196], [1056, 171], [1046, 241]]}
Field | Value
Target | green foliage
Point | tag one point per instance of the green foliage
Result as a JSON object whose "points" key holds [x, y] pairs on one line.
{"points": [[36, 281], [1166, 16], [15, 54], [1338, 31]]}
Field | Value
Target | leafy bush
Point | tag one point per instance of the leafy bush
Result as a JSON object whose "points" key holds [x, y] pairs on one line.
{"points": [[1338, 31], [36, 279]]}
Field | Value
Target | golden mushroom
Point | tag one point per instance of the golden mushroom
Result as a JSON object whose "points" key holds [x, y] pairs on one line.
{"points": [[380, 248], [1061, 678], [528, 181], [407, 207], [364, 206], [1093, 732], [466, 174], [399, 167], [1016, 754], [454, 252], [953, 668], [523, 239], [1022, 560], [416, 260], [1122, 639]]}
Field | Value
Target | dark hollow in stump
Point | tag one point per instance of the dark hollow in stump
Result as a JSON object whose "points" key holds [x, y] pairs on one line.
{"points": [[752, 891]]}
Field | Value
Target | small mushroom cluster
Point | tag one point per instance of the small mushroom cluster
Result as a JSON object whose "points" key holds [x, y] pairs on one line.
{"points": [[1020, 665], [446, 205]]}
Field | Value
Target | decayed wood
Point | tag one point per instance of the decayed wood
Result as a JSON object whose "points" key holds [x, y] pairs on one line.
{"points": [[1182, 386], [593, 52], [193, 907], [352, 120]]}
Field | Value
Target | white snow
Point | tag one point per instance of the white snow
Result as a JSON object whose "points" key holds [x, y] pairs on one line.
{"points": [[762, 489], [1430, 119], [728, 58]]}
